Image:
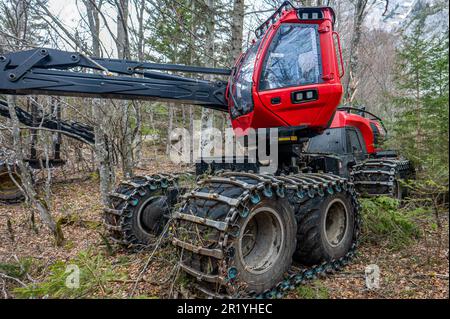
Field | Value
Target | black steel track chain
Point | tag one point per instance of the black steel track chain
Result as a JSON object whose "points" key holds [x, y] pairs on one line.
{"points": [[298, 189], [127, 196], [376, 177]]}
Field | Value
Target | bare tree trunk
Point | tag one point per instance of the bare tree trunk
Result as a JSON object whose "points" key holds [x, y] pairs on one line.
{"points": [[123, 43], [351, 79], [170, 110], [140, 8], [191, 107], [237, 29], [123, 51], [22, 14], [207, 118], [137, 142], [93, 24], [126, 140], [26, 179], [102, 158], [191, 131], [183, 115]]}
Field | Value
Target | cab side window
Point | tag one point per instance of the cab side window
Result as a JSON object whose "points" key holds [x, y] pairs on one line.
{"points": [[293, 58]]}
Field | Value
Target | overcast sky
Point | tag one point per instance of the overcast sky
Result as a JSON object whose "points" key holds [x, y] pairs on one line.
{"points": [[67, 11]]}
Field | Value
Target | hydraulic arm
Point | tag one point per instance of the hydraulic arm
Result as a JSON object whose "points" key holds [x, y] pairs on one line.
{"points": [[79, 131], [54, 72]]}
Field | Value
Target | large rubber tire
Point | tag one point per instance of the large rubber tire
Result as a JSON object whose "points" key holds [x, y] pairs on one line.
{"points": [[148, 218], [314, 243], [9, 192], [247, 268], [140, 216], [262, 266]]}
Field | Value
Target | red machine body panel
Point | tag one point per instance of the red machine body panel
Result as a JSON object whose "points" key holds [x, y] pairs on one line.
{"points": [[345, 119], [278, 104]]}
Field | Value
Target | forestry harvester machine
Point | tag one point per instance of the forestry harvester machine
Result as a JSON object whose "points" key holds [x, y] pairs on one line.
{"points": [[239, 229]]}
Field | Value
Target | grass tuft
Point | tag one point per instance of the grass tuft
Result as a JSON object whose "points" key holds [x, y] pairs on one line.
{"points": [[385, 221], [96, 275], [17, 269]]}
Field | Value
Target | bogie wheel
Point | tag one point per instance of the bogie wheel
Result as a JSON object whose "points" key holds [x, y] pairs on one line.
{"points": [[236, 233], [9, 192], [398, 191], [401, 191], [139, 210], [327, 230], [266, 244]]}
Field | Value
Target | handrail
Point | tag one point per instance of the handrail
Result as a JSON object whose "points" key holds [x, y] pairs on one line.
{"points": [[341, 60], [349, 108]]}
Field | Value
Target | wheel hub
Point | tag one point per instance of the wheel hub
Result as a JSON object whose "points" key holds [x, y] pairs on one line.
{"points": [[261, 240], [336, 222], [151, 215]]}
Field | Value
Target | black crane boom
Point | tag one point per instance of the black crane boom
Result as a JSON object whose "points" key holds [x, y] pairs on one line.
{"points": [[55, 72]]}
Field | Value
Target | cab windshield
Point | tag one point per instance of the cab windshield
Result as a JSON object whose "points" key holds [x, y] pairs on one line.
{"points": [[293, 57], [241, 88]]}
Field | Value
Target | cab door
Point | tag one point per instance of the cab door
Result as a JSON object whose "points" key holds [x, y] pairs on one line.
{"points": [[293, 80], [355, 144]]}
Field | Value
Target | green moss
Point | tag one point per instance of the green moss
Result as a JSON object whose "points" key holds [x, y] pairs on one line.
{"points": [[313, 290]]}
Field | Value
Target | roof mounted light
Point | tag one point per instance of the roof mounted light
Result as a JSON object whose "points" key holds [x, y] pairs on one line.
{"points": [[310, 13]]}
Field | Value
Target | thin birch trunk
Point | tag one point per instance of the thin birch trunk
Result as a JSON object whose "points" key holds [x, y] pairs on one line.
{"points": [[351, 78], [171, 107], [237, 29], [101, 148], [123, 51], [207, 119], [26, 179]]}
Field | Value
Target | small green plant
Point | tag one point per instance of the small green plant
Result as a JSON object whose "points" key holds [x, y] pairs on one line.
{"points": [[86, 275], [69, 245], [187, 181], [383, 219], [94, 176], [17, 269], [183, 280], [313, 290]]}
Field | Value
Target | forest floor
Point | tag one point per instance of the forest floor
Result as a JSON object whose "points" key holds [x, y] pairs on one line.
{"points": [[418, 270]]}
